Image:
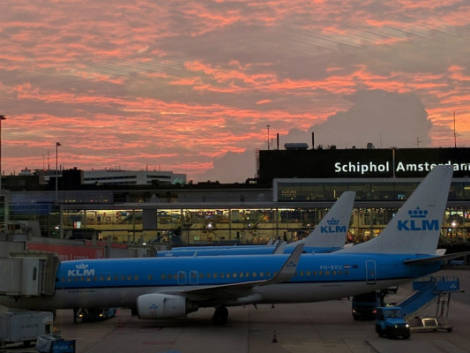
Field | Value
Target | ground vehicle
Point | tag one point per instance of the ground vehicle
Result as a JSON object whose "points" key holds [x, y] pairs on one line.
{"points": [[390, 322], [24, 326], [364, 305]]}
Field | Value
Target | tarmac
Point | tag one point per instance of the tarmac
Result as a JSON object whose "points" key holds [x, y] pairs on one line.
{"points": [[323, 327]]}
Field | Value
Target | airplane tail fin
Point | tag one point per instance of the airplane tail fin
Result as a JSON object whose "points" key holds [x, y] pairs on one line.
{"points": [[417, 224], [332, 229]]}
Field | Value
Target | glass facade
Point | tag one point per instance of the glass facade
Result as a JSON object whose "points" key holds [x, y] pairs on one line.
{"points": [[366, 190], [244, 226], [297, 206]]}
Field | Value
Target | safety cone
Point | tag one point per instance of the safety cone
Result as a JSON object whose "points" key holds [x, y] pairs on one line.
{"points": [[274, 337]]}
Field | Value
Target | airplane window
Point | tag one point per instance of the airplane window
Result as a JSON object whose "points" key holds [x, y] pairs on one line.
{"points": [[234, 275], [215, 275], [208, 275], [320, 273], [333, 273], [101, 278], [268, 274], [108, 278], [76, 279], [95, 279], [175, 276], [193, 275], [136, 277], [261, 274], [241, 274], [116, 278], [201, 275], [123, 278], [301, 273], [327, 273], [163, 276], [247, 274], [149, 277], [69, 279], [346, 272], [222, 275], [308, 274], [129, 277], [340, 273], [62, 279], [228, 275], [254, 274], [82, 279]]}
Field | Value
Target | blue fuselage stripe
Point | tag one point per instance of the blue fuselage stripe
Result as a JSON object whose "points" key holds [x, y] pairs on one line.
{"points": [[217, 270]]}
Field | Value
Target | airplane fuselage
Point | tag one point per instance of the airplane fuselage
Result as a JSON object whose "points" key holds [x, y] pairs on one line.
{"points": [[118, 282]]}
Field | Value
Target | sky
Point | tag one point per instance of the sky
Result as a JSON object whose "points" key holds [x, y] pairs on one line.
{"points": [[191, 86]]}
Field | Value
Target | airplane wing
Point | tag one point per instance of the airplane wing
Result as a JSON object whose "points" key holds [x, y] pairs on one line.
{"points": [[280, 247], [242, 291], [427, 260]]}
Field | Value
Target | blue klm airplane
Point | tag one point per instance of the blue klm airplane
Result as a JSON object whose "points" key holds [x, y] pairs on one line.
{"points": [[170, 287], [329, 235]]}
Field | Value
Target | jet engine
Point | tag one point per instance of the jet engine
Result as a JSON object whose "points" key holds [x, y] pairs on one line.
{"points": [[160, 306]]}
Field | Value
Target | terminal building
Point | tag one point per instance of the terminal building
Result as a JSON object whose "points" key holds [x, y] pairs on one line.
{"points": [[293, 190], [128, 177]]}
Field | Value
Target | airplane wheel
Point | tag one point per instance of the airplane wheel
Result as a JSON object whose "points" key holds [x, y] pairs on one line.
{"points": [[220, 315], [75, 315]]}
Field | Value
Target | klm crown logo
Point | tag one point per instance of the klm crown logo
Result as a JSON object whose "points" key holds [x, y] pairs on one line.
{"points": [[417, 221], [333, 222], [333, 226], [418, 213]]}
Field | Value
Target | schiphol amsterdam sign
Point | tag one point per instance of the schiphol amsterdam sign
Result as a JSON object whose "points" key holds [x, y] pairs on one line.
{"points": [[364, 168]]}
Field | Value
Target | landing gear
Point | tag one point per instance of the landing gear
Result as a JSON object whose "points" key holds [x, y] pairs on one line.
{"points": [[220, 316], [92, 314], [75, 315]]}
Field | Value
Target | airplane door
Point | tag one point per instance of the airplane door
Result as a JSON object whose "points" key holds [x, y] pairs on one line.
{"points": [[370, 271], [181, 278], [193, 277]]}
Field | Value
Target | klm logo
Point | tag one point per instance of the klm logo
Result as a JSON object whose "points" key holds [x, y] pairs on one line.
{"points": [[81, 270], [332, 227], [418, 221]]}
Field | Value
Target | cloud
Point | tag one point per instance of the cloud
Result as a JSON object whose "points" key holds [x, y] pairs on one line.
{"points": [[177, 84], [382, 118]]}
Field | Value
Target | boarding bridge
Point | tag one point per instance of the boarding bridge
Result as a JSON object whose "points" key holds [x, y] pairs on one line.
{"points": [[28, 274], [434, 288]]}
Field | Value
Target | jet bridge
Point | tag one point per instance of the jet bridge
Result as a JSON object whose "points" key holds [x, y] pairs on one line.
{"points": [[28, 274]]}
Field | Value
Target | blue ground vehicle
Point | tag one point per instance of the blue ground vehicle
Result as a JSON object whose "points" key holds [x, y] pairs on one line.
{"points": [[391, 322]]}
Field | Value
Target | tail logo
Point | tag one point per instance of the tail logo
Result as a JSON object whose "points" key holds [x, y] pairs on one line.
{"points": [[417, 221], [333, 226]]}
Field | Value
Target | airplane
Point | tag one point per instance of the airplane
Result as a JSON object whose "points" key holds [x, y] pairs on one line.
{"points": [[329, 235], [160, 288]]}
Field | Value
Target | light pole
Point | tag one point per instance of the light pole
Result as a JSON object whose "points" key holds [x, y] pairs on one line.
{"points": [[57, 144], [3, 206], [267, 126], [2, 117]]}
